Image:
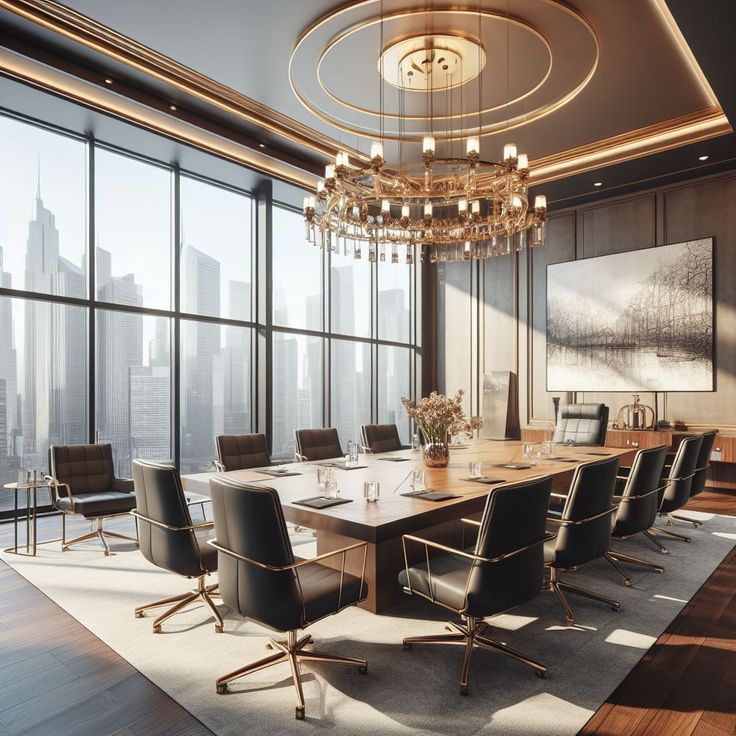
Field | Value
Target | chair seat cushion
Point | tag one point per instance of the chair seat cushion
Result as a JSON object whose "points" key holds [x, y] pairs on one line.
{"points": [[98, 504], [449, 579], [321, 588]]}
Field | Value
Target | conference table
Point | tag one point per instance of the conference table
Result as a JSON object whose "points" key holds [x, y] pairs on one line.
{"points": [[382, 524]]}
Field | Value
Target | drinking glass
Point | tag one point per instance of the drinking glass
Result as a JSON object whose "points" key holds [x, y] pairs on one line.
{"points": [[416, 442], [527, 451], [331, 490], [352, 454], [474, 470], [546, 448], [324, 476], [371, 490], [417, 480]]}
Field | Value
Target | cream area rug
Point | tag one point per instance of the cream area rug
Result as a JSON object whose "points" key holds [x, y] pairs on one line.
{"points": [[404, 692]]}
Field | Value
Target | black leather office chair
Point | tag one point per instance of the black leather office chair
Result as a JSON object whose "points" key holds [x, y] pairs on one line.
{"points": [[261, 579], [701, 472], [377, 438], [504, 569], [317, 444], [638, 495], [677, 486], [584, 529], [238, 452], [582, 424], [83, 482], [169, 539]]}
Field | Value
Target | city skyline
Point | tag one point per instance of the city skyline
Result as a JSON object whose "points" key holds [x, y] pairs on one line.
{"points": [[44, 356]]}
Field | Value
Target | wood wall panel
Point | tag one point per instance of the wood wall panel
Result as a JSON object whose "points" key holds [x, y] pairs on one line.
{"points": [[697, 211], [559, 247]]}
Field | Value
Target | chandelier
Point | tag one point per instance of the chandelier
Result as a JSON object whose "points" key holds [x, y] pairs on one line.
{"points": [[446, 208]]}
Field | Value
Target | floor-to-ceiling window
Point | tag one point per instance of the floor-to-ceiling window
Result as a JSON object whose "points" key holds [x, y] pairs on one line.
{"points": [[128, 313], [359, 314]]}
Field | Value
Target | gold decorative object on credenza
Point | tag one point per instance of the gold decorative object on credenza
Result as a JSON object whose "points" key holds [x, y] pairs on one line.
{"points": [[635, 416]]}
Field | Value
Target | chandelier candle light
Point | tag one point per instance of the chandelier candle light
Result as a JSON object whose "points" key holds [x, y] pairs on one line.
{"points": [[451, 207]]}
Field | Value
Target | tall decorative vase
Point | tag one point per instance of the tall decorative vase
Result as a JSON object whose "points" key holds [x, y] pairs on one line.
{"points": [[436, 454]]}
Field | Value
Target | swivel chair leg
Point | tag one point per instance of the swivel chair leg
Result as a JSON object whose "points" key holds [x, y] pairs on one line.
{"points": [[618, 569], [291, 651], [695, 522], [203, 593], [670, 533], [560, 587], [621, 557], [652, 538]]}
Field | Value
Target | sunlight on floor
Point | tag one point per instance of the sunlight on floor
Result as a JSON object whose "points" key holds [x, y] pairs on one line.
{"points": [[630, 639], [509, 622]]}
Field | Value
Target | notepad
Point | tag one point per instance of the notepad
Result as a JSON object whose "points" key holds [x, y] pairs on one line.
{"points": [[564, 459], [486, 479], [514, 466], [395, 459], [429, 495], [276, 473], [320, 502], [341, 465]]}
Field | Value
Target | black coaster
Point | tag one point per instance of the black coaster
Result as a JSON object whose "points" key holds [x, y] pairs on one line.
{"points": [[601, 454], [485, 479], [320, 502], [513, 466], [395, 459], [429, 495], [341, 465], [275, 473], [564, 459]]}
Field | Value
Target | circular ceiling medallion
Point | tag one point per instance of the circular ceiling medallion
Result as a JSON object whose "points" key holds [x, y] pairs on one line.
{"points": [[476, 69], [431, 62]]}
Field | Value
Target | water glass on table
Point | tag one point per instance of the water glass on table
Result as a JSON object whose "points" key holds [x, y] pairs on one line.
{"points": [[331, 490], [475, 470], [417, 480], [371, 491], [324, 476]]}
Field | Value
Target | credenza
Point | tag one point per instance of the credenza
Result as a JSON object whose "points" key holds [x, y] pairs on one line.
{"points": [[722, 473]]}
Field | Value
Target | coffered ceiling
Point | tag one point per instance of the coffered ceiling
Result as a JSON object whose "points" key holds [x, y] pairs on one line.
{"points": [[580, 85]]}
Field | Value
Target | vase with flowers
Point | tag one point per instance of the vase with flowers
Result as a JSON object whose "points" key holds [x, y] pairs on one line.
{"points": [[438, 417]]}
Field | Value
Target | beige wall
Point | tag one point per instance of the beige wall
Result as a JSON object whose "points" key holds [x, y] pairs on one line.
{"points": [[503, 300]]}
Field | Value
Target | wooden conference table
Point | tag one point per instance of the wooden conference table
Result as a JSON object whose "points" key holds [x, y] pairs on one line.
{"points": [[382, 524]]}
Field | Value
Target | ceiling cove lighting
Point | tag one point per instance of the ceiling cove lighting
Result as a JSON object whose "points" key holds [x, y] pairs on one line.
{"points": [[451, 204]]}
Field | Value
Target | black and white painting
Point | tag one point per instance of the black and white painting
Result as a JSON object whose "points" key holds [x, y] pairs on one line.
{"points": [[635, 321]]}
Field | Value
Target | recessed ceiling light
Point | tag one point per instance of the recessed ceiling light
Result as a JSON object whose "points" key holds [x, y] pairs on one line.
{"points": [[261, 145], [172, 108], [108, 80], [703, 158], [597, 183]]}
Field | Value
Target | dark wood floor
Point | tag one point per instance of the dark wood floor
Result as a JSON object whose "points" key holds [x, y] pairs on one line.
{"points": [[686, 683], [58, 679]]}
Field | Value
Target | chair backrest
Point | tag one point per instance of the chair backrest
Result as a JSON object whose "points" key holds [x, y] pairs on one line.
{"points": [[241, 451], [160, 498], [381, 437], [318, 444], [513, 521], [638, 509], [249, 522], [84, 468], [583, 424], [701, 469], [585, 532], [677, 490]]}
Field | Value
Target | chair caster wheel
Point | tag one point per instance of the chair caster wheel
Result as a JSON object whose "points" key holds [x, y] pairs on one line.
{"points": [[628, 583], [221, 689], [363, 669], [299, 713], [407, 646], [139, 614], [664, 551], [688, 540], [157, 629], [218, 629], [269, 645], [616, 608], [464, 690], [540, 674]]}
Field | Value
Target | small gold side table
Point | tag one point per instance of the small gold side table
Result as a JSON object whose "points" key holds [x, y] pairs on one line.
{"points": [[31, 526]]}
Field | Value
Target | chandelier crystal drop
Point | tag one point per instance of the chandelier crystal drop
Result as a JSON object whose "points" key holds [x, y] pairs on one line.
{"points": [[445, 208]]}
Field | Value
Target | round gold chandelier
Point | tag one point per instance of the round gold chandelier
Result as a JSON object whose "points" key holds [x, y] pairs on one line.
{"points": [[446, 208]]}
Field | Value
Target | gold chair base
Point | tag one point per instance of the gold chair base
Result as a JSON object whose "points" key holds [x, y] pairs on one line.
{"points": [[469, 636], [99, 532], [671, 517], [652, 538], [670, 533], [291, 651], [203, 593], [621, 557], [559, 587]]}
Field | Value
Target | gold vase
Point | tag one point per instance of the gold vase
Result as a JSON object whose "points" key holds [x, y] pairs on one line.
{"points": [[436, 454]]}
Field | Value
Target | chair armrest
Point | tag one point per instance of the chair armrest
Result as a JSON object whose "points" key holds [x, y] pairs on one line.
{"points": [[169, 527], [365, 450], [470, 521], [580, 522], [300, 458], [219, 467], [558, 495], [123, 484], [55, 485], [194, 499]]}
